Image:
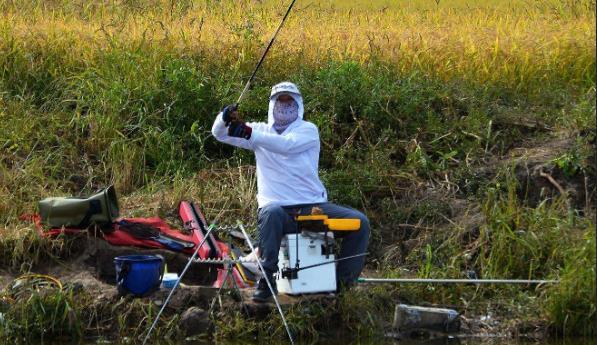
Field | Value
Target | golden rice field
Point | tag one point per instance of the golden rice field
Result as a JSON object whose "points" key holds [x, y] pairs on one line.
{"points": [[516, 43]]}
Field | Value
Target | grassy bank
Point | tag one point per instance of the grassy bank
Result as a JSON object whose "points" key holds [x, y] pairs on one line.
{"points": [[422, 108]]}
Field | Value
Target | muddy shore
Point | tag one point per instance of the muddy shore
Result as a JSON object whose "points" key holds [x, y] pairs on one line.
{"points": [[196, 309]]}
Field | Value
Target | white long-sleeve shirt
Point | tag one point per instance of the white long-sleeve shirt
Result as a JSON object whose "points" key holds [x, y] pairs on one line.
{"points": [[287, 163]]}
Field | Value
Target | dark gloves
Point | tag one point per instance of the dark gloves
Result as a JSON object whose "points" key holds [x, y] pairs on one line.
{"points": [[236, 127], [239, 129], [229, 113]]}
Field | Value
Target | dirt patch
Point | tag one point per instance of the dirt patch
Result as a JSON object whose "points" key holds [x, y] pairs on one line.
{"points": [[90, 257], [539, 176], [426, 210]]}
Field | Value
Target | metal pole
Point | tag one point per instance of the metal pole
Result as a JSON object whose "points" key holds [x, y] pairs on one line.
{"points": [[211, 227], [454, 281], [242, 94], [269, 285]]}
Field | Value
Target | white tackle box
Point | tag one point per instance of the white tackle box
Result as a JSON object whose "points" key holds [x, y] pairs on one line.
{"points": [[311, 250]]}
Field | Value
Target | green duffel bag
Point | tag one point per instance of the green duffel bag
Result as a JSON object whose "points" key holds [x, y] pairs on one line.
{"points": [[99, 209]]}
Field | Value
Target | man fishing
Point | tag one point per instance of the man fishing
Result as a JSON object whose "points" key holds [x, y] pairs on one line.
{"points": [[287, 155]]}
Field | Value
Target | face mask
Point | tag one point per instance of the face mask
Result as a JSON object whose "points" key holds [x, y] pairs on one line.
{"points": [[284, 113]]}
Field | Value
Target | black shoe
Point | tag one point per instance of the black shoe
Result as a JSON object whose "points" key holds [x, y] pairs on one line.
{"points": [[263, 293]]}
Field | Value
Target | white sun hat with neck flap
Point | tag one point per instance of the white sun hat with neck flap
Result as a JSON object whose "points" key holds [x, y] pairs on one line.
{"points": [[285, 87]]}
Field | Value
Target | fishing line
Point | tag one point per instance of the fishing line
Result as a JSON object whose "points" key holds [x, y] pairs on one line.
{"points": [[271, 42]]}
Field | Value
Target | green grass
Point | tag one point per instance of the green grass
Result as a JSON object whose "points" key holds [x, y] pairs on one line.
{"points": [[360, 314], [46, 314], [570, 305], [514, 241]]}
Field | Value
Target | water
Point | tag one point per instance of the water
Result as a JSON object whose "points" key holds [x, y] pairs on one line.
{"points": [[445, 341], [494, 341]]}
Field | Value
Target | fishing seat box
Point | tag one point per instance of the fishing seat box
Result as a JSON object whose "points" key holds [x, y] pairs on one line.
{"points": [[312, 249], [71, 212], [315, 244]]}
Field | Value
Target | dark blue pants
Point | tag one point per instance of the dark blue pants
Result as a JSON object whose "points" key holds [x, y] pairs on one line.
{"points": [[275, 221]]}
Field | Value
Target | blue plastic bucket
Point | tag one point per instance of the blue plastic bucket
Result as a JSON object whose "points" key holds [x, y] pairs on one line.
{"points": [[138, 274]]}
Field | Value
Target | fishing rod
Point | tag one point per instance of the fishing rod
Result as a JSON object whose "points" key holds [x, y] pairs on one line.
{"points": [[269, 285], [209, 230], [271, 42], [332, 262], [453, 281], [291, 272]]}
